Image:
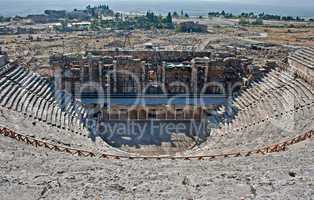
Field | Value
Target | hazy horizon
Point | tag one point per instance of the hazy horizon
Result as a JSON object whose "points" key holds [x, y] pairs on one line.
{"points": [[290, 7]]}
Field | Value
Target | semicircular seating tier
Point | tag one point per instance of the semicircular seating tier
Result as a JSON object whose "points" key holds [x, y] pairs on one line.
{"points": [[36, 108], [34, 96], [277, 106]]}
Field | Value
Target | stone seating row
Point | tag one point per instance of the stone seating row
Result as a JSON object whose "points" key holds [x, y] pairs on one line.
{"points": [[26, 92], [275, 95]]}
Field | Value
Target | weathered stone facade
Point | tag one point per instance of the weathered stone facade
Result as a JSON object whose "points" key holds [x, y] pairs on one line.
{"points": [[153, 55], [124, 78]]}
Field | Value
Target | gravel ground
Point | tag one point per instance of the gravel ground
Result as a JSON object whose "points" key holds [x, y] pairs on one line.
{"points": [[40, 130], [28, 173]]}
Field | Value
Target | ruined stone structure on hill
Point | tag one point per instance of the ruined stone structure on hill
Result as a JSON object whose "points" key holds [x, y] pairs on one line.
{"points": [[149, 73]]}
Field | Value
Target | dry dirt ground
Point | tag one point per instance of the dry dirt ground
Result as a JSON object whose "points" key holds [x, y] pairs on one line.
{"points": [[288, 36], [28, 173]]}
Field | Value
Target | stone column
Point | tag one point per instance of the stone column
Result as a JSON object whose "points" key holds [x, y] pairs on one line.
{"points": [[206, 71], [142, 81], [163, 72], [90, 70], [115, 76], [100, 75], [194, 77], [175, 112]]}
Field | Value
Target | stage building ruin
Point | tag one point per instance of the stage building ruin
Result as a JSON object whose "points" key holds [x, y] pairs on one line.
{"points": [[150, 85]]}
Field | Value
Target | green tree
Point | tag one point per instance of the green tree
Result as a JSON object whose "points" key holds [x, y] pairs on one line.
{"points": [[117, 16], [175, 14], [169, 18]]}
